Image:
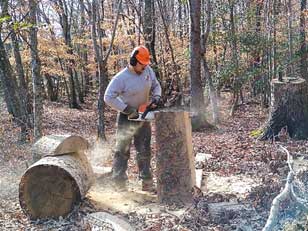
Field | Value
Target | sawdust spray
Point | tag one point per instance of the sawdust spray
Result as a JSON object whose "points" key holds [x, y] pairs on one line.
{"points": [[101, 153]]}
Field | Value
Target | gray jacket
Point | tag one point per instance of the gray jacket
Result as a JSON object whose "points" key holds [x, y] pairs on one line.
{"points": [[127, 88]]}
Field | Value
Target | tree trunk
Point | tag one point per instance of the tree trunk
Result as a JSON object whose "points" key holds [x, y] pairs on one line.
{"points": [[8, 79], [236, 81], [149, 31], [197, 97], [36, 74], [9, 84], [52, 90], [101, 69], [66, 28], [175, 160], [84, 51], [290, 38], [102, 64], [303, 44], [176, 68], [207, 73], [289, 109], [54, 184], [78, 87], [23, 88], [53, 145]]}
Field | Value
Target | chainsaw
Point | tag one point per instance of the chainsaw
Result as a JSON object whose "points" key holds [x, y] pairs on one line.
{"points": [[146, 112]]}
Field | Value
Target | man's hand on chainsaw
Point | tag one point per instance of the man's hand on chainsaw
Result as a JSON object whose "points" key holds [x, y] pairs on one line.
{"points": [[155, 102], [131, 112]]}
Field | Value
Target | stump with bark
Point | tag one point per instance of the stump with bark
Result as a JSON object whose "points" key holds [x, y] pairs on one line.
{"points": [[59, 180], [175, 160], [289, 109]]}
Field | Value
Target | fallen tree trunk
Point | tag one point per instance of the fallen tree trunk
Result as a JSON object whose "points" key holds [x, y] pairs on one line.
{"points": [[289, 109], [53, 185], [54, 145], [175, 160]]}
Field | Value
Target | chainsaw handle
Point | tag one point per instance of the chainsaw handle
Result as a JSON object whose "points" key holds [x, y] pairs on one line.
{"points": [[147, 109]]}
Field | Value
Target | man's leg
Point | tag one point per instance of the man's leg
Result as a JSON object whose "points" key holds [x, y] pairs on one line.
{"points": [[121, 152], [142, 142]]}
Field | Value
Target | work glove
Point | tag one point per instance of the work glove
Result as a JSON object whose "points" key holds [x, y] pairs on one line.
{"points": [[131, 112], [155, 101]]}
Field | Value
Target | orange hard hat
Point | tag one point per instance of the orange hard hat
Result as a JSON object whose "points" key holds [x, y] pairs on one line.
{"points": [[142, 55]]}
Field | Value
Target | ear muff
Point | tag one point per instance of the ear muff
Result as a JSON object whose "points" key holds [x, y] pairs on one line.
{"points": [[133, 60]]}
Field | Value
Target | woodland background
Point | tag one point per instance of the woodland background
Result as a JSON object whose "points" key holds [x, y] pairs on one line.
{"points": [[214, 58]]}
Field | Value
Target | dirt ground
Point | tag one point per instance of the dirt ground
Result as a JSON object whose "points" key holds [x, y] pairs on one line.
{"points": [[242, 170]]}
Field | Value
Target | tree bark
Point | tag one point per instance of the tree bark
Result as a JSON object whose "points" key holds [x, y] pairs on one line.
{"points": [[303, 44], [53, 145], [54, 184], [78, 87], [84, 51], [175, 165], [9, 83], [290, 38], [23, 88], [52, 90], [100, 69], [176, 68], [236, 81], [207, 73], [66, 28], [197, 97], [36, 73], [289, 109], [102, 64], [149, 31], [8, 79]]}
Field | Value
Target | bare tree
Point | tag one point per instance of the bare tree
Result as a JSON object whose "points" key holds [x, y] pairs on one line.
{"points": [[208, 75], [303, 44], [36, 72], [101, 61], [12, 94], [175, 66], [236, 81], [149, 28], [197, 97], [65, 16]]}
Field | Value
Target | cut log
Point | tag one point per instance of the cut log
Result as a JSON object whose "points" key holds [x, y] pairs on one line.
{"points": [[53, 145], [53, 185], [175, 161], [289, 109]]}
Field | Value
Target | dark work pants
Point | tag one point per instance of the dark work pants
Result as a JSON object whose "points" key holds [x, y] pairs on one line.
{"points": [[127, 131]]}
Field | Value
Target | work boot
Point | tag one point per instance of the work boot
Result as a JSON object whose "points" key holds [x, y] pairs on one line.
{"points": [[148, 185]]}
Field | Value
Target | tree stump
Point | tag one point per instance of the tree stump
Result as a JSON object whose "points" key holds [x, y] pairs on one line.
{"points": [[175, 160], [289, 109], [54, 184]]}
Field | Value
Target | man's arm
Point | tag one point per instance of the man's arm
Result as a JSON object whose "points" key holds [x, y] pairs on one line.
{"points": [[114, 89], [155, 88]]}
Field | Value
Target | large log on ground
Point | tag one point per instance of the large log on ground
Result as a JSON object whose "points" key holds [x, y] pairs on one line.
{"points": [[289, 109], [53, 185], [175, 161], [53, 145]]}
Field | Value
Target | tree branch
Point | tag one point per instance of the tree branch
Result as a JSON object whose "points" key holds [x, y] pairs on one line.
{"points": [[113, 32]]}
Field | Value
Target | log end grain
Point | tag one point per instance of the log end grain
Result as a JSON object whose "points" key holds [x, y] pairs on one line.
{"points": [[48, 191]]}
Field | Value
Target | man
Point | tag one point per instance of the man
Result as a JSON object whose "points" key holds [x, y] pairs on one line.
{"points": [[131, 88]]}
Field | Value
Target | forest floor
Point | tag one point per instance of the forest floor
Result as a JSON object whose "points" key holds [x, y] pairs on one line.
{"points": [[241, 170]]}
